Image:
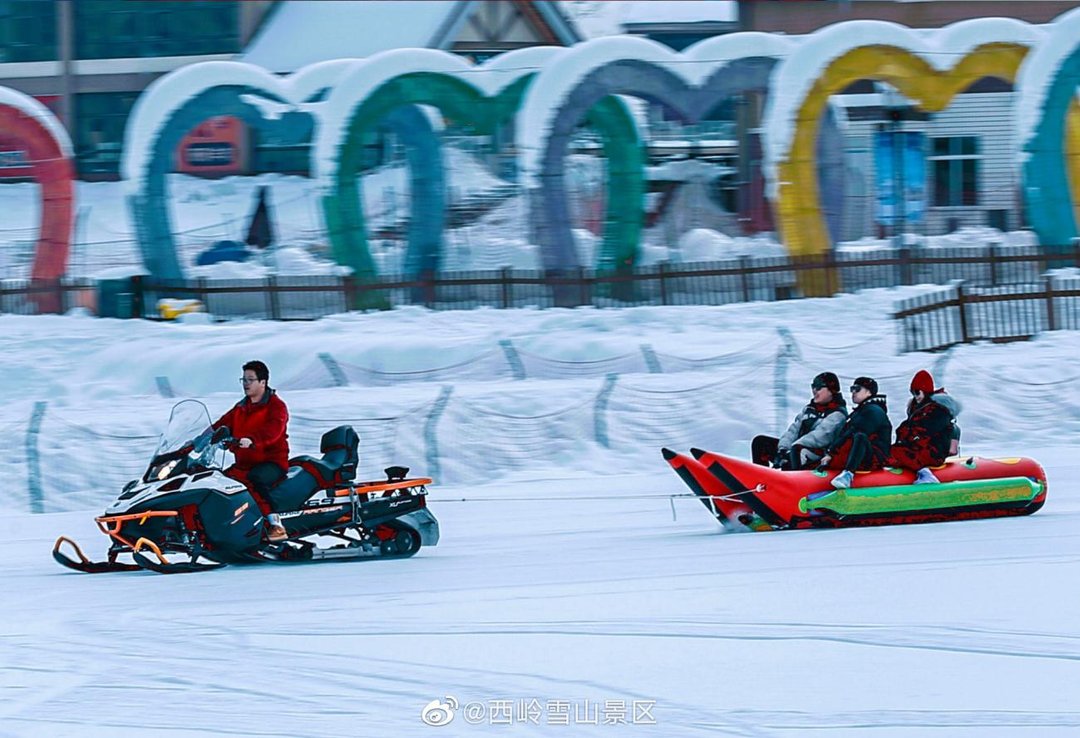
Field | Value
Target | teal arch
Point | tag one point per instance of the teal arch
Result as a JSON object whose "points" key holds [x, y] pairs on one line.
{"points": [[149, 206], [1047, 194], [460, 101], [343, 206]]}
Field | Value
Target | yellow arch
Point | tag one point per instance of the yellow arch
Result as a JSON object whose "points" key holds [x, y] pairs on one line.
{"points": [[798, 204], [1072, 156]]}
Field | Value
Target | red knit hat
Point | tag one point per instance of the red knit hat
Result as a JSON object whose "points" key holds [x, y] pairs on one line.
{"points": [[922, 382]]}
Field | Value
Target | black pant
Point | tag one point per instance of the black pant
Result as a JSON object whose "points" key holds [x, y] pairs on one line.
{"points": [[763, 449], [263, 476], [858, 453]]}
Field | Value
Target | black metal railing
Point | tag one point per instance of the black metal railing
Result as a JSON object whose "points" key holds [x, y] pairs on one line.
{"points": [[742, 279], [961, 313]]}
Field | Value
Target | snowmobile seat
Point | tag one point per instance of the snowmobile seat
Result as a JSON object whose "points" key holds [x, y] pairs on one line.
{"points": [[308, 474]]}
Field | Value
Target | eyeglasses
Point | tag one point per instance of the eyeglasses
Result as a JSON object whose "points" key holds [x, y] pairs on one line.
{"points": [[856, 387], [245, 380], [915, 393]]}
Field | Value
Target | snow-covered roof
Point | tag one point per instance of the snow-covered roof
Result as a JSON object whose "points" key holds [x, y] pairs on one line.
{"points": [[941, 48], [301, 32], [1038, 71], [32, 108], [680, 11], [559, 78]]}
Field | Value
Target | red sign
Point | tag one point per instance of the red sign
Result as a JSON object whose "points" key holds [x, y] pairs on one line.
{"points": [[218, 145]]}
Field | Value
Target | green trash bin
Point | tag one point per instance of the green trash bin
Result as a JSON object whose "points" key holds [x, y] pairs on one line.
{"points": [[115, 298]]}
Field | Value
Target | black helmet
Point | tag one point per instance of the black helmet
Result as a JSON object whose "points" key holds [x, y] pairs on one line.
{"points": [[826, 379]]}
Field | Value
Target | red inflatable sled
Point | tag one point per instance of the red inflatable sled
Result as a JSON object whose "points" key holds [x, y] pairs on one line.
{"points": [[743, 495]]}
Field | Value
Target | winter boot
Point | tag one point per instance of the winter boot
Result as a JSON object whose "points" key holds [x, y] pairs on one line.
{"points": [[925, 476], [843, 479], [275, 531]]}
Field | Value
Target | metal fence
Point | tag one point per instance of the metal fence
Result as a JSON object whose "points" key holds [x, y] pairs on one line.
{"points": [[962, 313], [741, 279]]}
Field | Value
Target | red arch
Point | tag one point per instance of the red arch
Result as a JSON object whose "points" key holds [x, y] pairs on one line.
{"points": [[54, 171]]}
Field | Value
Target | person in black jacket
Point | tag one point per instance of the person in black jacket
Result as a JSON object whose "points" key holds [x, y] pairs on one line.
{"points": [[865, 439]]}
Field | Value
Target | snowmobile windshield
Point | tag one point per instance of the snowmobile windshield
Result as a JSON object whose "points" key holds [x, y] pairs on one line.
{"points": [[188, 423]]}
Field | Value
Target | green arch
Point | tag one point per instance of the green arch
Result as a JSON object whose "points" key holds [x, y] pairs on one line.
{"points": [[343, 206]]}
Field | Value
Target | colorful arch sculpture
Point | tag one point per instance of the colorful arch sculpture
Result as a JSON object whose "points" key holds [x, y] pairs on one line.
{"points": [[482, 96], [929, 69], [1048, 127], [174, 104], [50, 152], [690, 83]]}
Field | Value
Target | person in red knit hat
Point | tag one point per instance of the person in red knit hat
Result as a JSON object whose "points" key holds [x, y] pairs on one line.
{"points": [[926, 438]]}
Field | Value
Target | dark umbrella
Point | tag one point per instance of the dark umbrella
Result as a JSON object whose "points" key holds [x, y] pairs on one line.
{"points": [[261, 233]]}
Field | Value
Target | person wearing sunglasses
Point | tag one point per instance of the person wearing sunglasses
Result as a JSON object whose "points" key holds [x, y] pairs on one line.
{"points": [[926, 438], [813, 430], [259, 424], [864, 441]]}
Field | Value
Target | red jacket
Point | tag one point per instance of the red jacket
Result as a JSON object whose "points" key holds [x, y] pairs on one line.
{"points": [[264, 423]]}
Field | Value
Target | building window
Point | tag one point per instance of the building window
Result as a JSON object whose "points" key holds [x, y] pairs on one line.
{"points": [[955, 166], [100, 121], [112, 29], [27, 31]]}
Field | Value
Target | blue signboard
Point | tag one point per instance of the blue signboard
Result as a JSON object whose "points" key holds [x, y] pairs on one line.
{"points": [[912, 172]]}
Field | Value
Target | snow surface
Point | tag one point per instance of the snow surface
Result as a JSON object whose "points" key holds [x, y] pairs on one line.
{"points": [[794, 78], [561, 575]]}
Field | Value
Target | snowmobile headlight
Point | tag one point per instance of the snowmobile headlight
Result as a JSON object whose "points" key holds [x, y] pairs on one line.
{"points": [[167, 469]]}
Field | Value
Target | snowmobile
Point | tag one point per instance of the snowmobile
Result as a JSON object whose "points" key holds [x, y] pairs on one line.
{"points": [[184, 514], [747, 496]]}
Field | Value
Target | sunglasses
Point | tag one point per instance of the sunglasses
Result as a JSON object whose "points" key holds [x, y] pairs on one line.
{"points": [[856, 387], [816, 387]]}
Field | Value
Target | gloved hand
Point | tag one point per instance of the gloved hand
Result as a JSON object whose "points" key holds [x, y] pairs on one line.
{"points": [[780, 459]]}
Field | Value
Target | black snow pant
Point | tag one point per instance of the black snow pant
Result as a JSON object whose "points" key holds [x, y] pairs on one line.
{"points": [[764, 449], [858, 457]]}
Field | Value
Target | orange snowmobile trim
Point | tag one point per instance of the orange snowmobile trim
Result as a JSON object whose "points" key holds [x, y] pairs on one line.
{"points": [[369, 487], [105, 523]]}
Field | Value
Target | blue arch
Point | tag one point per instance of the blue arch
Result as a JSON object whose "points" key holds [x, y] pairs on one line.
{"points": [[625, 176]]}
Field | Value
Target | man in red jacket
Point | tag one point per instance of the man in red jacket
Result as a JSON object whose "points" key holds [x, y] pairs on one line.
{"points": [[258, 423]]}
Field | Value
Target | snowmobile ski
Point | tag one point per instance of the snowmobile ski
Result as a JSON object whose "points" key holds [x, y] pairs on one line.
{"points": [[84, 564]]}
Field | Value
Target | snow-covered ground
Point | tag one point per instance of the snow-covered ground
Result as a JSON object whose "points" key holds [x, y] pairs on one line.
{"points": [[561, 576]]}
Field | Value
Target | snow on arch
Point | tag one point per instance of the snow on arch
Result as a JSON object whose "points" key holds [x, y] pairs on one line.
{"points": [[364, 79], [574, 86], [941, 48], [163, 114], [371, 83], [549, 91], [1048, 131], [920, 63], [50, 152], [33, 108]]}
